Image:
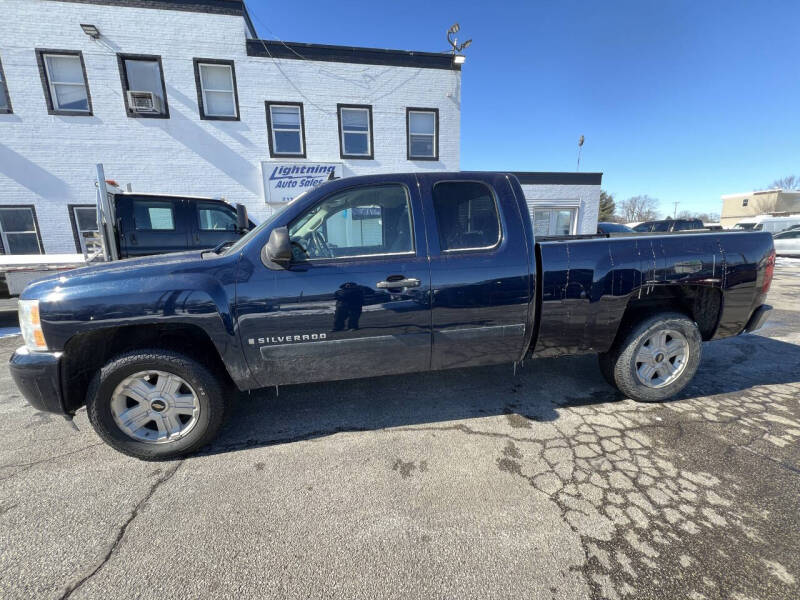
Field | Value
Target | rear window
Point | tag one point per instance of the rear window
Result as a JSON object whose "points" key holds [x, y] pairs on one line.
{"points": [[466, 215]]}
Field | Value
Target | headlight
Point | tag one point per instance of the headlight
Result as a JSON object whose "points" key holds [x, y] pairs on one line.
{"points": [[31, 326]]}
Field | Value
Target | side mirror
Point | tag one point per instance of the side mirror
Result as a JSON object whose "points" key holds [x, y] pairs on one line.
{"points": [[242, 222], [278, 248]]}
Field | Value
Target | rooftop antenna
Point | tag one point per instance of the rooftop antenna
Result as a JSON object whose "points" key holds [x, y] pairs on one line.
{"points": [[458, 58], [580, 147]]}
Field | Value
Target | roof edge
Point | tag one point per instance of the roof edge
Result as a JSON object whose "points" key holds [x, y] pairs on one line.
{"points": [[235, 8], [350, 54], [558, 178]]}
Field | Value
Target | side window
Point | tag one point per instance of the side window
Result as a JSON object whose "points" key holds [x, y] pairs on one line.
{"points": [[84, 228], [661, 226], [143, 86], [422, 129], [216, 89], [285, 128], [362, 221], [553, 221], [466, 215], [5, 101], [19, 230], [64, 80], [215, 217], [355, 131], [153, 215]]}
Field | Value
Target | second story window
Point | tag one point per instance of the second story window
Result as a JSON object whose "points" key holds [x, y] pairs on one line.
{"points": [[355, 131], [217, 96], [422, 126], [64, 80], [143, 86], [5, 101], [286, 129]]}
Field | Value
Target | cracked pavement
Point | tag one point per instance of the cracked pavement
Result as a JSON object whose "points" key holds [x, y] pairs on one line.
{"points": [[467, 483]]}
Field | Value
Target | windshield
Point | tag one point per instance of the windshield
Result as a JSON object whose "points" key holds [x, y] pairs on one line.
{"points": [[245, 239]]}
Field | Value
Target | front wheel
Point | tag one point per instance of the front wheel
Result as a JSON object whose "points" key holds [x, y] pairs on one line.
{"points": [[657, 358], [155, 404]]}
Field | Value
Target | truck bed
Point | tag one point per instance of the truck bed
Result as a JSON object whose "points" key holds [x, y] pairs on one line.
{"points": [[588, 281]]}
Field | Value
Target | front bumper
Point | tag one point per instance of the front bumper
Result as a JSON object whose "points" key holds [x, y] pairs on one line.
{"points": [[38, 377], [758, 318]]}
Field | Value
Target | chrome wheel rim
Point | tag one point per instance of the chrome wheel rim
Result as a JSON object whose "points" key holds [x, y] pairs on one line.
{"points": [[662, 358], [155, 407]]}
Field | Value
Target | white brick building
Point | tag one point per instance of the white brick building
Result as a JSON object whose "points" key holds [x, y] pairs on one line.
{"points": [[64, 107]]}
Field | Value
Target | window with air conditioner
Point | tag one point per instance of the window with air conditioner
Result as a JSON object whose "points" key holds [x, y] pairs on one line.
{"points": [[143, 86], [64, 80], [217, 95]]}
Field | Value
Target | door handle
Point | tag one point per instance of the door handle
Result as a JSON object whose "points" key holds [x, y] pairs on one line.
{"points": [[399, 283]]}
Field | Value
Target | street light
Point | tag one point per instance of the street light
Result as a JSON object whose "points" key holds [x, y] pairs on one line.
{"points": [[458, 58], [91, 30]]}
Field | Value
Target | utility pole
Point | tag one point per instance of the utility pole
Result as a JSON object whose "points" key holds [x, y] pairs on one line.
{"points": [[675, 210]]}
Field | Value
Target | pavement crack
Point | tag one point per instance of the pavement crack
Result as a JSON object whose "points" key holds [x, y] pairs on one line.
{"points": [[121, 533], [24, 467], [780, 463]]}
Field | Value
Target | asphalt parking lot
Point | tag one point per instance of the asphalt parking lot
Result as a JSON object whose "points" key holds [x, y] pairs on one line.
{"points": [[460, 484]]}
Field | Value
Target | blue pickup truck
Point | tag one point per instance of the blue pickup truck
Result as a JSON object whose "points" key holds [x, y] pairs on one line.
{"points": [[369, 276]]}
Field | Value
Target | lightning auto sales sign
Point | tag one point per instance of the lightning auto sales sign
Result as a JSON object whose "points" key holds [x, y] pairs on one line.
{"points": [[284, 181]]}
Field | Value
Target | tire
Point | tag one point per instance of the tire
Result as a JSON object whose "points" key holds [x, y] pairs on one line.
{"points": [[676, 349], [156, 431]]}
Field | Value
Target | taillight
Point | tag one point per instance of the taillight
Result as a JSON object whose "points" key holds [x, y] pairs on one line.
{"points": [[769, 271]]}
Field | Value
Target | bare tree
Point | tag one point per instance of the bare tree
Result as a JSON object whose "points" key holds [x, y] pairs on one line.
{"points": [[790, 182], [639, 208], [704, 217]]}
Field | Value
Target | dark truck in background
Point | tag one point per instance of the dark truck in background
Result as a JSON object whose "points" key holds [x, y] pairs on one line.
{"points": [[376, 275], [158, 224]]}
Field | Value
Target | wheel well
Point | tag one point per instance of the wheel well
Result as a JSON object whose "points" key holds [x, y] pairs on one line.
{"points": [[702, 304], [86, 353]]}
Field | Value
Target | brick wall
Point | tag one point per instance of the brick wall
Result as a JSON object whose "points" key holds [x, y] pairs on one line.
{"points": [[48, 160]]}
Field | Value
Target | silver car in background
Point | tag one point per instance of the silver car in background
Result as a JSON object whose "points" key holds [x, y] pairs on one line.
{"points": [[787, 243]]}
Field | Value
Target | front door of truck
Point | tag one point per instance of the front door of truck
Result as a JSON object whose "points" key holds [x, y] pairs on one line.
{"points": [[353, 302], [151, 225], [212, 222], [480, 273]]}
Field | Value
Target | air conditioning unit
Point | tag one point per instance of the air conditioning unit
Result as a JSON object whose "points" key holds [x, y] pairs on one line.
{"points": [[144, 103]]}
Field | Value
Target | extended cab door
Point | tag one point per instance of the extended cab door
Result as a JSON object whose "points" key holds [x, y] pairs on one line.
{"points": [[480, 273], [151, 225], [354, 301]]}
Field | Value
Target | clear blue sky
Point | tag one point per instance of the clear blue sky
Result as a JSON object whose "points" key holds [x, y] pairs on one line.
{"points": [[683, 101]]}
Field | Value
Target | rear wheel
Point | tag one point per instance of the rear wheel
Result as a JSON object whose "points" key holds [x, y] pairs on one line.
{"points": [[656, 359], [156, 404]]}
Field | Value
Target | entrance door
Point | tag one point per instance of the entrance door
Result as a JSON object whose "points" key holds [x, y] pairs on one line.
{"points": [[354, 301]]}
